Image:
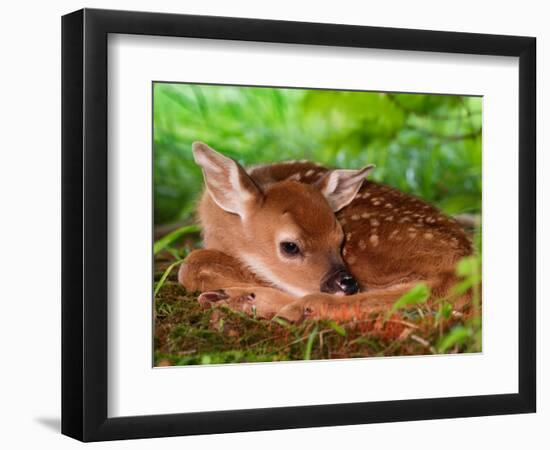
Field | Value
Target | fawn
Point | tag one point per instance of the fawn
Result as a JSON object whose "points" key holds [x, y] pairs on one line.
{"points": [[298, 240]]}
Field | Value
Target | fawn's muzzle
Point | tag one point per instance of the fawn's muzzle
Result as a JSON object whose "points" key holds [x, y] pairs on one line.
{"points": [[339, 281]]}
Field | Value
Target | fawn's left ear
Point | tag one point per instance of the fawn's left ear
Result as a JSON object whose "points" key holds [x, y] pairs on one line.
{"points": [[228, 183], [340, 186]]}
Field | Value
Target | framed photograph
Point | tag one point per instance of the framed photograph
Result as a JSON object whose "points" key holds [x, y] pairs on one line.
{"points": [[273, 224]]}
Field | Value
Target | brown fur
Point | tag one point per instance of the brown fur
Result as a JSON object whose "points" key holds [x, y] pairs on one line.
{"points": [[391, 241]]}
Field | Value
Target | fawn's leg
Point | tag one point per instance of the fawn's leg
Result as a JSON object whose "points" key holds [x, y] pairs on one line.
{"points": [[338, 307], [328, 306], [223, 279], [266, 302], [343, 308], [205, 270]]}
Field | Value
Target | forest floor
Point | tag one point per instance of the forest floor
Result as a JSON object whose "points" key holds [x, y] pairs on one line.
{"points": [[188, 333]]}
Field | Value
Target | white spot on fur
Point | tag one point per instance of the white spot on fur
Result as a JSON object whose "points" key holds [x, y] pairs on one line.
{"points": [[374, 223], [428, 236], [355, 217], [365, 215], [362, 244], [374, 240], [310, 172]]}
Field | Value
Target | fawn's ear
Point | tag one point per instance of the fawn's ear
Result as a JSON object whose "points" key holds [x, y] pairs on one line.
{"points": [[340, 186], [227, 182]]}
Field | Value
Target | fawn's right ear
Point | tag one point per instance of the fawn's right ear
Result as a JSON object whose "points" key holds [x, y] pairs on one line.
{"points": [[227, 182], [340, 186]]}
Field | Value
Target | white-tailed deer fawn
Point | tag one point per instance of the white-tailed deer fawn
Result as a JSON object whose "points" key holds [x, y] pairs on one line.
{"points": [[294, 239]]}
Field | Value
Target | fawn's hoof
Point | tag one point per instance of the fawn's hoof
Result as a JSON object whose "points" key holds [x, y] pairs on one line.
{"points": [[233, 297], [212, 297]]}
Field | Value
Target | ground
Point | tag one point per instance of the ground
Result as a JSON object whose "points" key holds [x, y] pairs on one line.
{"points": [[187, 333]]}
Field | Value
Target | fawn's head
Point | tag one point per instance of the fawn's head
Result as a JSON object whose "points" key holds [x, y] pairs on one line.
{"points": [[286, 232]]}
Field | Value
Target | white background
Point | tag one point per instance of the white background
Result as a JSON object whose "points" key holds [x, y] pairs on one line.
{"points": [[135, 389], [30, 178]]}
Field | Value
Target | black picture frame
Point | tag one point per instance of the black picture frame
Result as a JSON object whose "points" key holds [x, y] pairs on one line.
{"points": [[84, 224]]}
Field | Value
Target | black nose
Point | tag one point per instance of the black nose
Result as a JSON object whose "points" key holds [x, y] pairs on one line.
{"points": [[347, 284], [340, 280]]}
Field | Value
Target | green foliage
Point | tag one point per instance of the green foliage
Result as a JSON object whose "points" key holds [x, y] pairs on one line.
{"points": [[416, 295], [309, 344], [465, 337], [429, 145], [457, 336], [164, 277], [337, 327], [172, 237]]}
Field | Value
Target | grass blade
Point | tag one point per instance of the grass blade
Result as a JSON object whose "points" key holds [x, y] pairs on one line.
{"points": [[457, 335], [164, 276], [337, 327], [309, 344], [164, 241]]}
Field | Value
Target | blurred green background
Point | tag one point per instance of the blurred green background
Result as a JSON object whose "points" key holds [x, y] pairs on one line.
{"points": [[427, 145]]}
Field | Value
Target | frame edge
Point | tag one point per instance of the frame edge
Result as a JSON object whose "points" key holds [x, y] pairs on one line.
{"points": [[527, 294], [72, 323]]}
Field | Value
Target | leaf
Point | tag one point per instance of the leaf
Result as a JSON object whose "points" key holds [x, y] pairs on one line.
{"points": [[338, 328], [173, 236], [281, 322], [444, 311], [462, 287], [418, 294], [467, 266], [457, 335], [309, 344]]}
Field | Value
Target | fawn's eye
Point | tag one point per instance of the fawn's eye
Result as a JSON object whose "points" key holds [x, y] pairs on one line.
{"points": [[290, 248]]}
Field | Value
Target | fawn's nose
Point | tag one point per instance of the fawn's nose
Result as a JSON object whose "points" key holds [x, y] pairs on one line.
{"points": [[348, 284], [340, 281]]}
